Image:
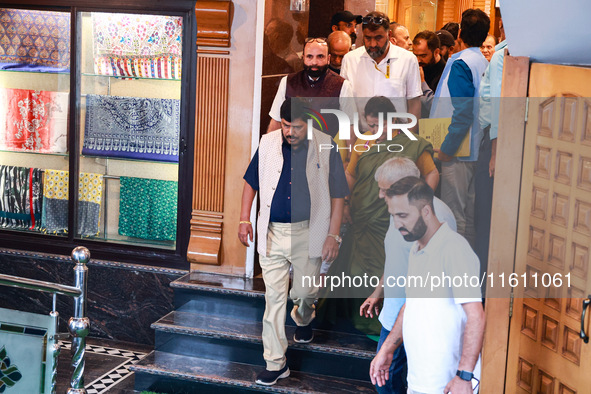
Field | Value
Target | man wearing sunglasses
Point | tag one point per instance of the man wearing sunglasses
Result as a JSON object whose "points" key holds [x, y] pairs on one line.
{"points": [[380, 68], [317, 81]]}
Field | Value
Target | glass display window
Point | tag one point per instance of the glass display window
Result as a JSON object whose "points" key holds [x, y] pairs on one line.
{"points": [[109, 110]]}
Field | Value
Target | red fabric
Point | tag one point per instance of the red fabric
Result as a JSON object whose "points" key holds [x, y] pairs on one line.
{"points": [[34, 120]]}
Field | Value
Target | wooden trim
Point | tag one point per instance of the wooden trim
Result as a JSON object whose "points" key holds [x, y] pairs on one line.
{"points": [[212, 52], [505, 209], [214, 23], [210, 160], [206, 237]]}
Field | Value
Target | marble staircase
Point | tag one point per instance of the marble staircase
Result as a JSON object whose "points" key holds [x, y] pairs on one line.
{"points": [[211, 343]]}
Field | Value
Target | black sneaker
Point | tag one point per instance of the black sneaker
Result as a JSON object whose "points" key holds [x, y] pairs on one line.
{"points": [[269, 378], [303, 334]]}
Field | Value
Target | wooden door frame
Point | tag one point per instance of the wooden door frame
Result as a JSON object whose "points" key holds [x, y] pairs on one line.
{"points": [[505, 210]]}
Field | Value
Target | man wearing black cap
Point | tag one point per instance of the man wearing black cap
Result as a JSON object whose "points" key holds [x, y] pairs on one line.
{"points": [[347, 22], [447, 43]]}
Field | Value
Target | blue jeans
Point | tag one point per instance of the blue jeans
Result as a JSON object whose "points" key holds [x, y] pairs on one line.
{"points": [[396, 382]]}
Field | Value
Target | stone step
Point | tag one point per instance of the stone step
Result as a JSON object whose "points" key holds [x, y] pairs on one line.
{"points": [[220, 295], [221, 338], [221, 284], [196, 324], [166, 372]]}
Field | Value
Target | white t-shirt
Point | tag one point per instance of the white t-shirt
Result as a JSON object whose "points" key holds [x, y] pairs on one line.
{"points": [[433, 326], [346, 101], [397, 251], [367, 81]]}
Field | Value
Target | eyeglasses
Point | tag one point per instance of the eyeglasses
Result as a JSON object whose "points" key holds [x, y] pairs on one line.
{"points": [[320, 40], [373, 20]]}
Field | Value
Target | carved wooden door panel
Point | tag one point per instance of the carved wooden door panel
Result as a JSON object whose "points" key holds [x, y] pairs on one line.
{"points": [[546, 353]]}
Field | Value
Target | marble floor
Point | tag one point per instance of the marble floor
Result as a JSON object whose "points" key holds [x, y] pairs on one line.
{"points": [[107, 366]]}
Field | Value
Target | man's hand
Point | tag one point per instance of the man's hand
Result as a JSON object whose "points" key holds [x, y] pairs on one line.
{"points": [[330, 250], [245, 233], [379, 367], [369, 306], [458, 386], [444, 156], [422, 74]]}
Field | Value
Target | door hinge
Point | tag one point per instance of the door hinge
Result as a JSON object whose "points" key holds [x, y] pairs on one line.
{"points": [[526, 108], [511, 304]]}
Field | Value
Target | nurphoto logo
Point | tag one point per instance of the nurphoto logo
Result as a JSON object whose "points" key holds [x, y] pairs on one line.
{"points": [[392, 123]]}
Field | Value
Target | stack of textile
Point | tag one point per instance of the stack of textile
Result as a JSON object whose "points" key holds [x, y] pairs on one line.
{"points": [[132, 127], [55, 203], [20, 197], [132, 45], [148, 208], [34, 40], [33, 121]]}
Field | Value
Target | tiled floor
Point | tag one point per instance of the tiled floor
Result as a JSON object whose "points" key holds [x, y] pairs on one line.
{"points": [[106, 368]]}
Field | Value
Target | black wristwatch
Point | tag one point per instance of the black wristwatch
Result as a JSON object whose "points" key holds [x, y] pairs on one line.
{"points": [[465, 375]]}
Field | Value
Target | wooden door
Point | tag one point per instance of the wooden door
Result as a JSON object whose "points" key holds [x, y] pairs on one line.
{"points": [[546, 353]]}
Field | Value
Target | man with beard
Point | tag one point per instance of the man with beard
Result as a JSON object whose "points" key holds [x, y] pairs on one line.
{"points": [[315, 80], [347, 22], [397, 251], [447, 44], [442, 326], [426, 49], [380, 68]]}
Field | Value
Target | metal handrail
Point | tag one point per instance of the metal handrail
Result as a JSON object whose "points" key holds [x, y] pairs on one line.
{"points": [[38, 285], [79, 325]]}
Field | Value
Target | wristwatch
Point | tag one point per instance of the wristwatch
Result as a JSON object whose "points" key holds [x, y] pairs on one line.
{"points": [[465, 375], [336, 237]]}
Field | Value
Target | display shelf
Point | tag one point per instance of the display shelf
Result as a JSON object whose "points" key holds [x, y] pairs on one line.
{"points": [[123, 77], [29, 231], [28, 152], [121, 239], [127, 159], [17, 71]]}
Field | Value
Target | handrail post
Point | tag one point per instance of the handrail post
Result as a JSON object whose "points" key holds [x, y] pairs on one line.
{"points": [[79, 325]]}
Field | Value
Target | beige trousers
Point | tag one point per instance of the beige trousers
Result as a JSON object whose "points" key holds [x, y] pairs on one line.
{"points": [[287, 243]]}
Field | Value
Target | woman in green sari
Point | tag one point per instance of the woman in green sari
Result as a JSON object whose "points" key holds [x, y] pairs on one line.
{"points": [[362, 250]]}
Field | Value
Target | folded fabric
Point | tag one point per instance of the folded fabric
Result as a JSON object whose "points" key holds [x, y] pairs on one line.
{"points": [[148, 46], [148, 208], [34, 40], [33, 120], [20, 197], [132, 127], [55, 203]]}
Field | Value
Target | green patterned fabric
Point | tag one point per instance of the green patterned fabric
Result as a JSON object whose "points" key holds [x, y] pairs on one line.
{"points": [[148, 208]]}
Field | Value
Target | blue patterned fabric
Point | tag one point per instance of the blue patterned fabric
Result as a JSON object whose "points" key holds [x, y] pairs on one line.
{"points": [[132, 127]]}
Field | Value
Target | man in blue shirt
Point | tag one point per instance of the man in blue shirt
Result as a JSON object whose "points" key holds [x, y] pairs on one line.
{"points": [[302, 186], [454, 99], [490, 98]]}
